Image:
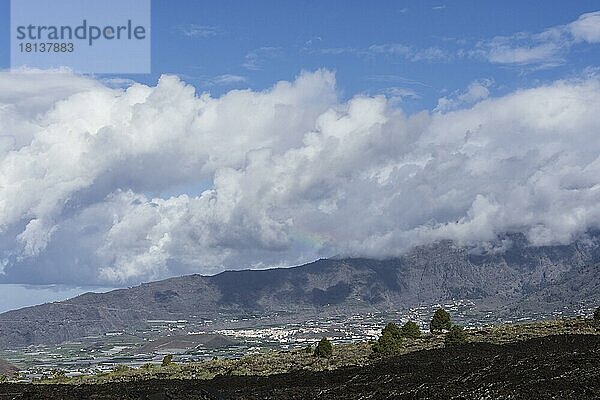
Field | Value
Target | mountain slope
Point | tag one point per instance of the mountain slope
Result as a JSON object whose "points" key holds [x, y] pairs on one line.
{"points": [[6, 368], [425, 275]]}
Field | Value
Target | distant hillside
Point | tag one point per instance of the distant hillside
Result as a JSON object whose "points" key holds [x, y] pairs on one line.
{"points": [[581, 285], [425, 275], [6, 368]]}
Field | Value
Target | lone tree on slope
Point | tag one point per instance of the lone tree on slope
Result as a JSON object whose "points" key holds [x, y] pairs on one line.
{"points": [[440, 321], [324, 348], [167, 360]]}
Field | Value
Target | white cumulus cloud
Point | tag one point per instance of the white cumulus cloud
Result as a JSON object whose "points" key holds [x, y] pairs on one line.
{"points": [[103, 184]]}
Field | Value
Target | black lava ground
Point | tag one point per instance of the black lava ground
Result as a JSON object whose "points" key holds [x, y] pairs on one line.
{"points": [[554, 367]]}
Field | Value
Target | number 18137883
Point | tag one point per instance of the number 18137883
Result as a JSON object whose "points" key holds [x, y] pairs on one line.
{"points": [[46, 47]]}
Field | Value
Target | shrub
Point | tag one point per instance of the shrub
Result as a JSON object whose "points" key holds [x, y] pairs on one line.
{"points": [[440, 321], [308, 349], [3, 378], [455, 336], [58, 373], [121, 368], [324, 348], [597, 316], [390, 341], [167, 360], [411, 330]]}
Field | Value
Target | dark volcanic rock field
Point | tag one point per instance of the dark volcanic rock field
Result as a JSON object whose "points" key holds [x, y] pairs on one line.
{"points": [[554, 367]]}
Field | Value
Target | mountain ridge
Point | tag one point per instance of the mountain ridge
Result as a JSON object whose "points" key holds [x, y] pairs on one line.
{"points": [[425, 275]]}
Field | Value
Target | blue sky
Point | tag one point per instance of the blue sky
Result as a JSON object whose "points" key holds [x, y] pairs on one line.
{"points": [[266, 41], [420, 51], [398, 123]]}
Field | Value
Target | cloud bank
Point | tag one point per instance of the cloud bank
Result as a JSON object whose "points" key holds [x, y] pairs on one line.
{"points": [[111, 185]]}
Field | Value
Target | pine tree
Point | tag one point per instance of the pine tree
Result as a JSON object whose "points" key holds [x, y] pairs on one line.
{"points": [[167, 360], [411, 330], [440, 321], [390, 342], [455, 336], [324, 348]]}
